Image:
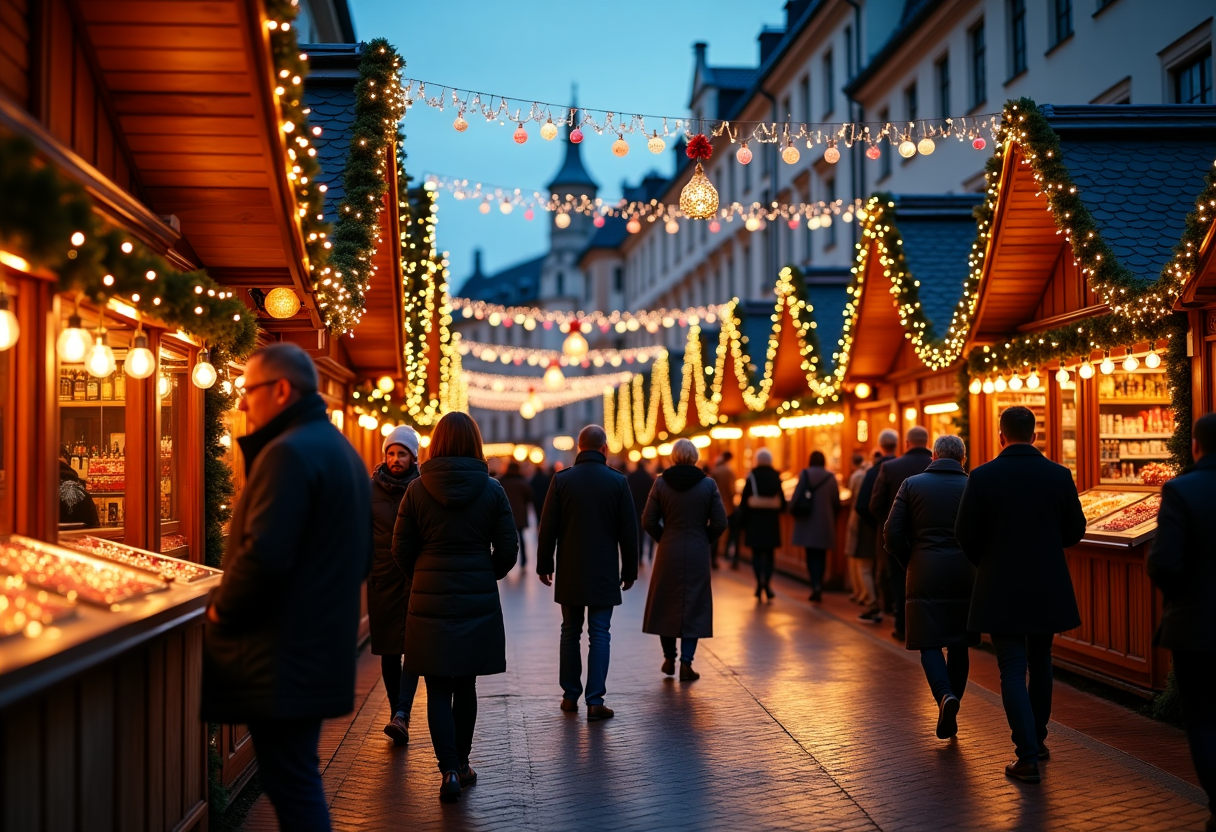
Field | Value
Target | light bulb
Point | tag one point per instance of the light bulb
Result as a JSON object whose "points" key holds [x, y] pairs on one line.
{"points": [[620, 147], [656, 144], [526, 410], [162, 385], [1086, 370], [203, 375], [988, 386], [575, 345], [790, 155], [1131, 362], [752, 224], [907, 149], [141, 361], [100, 359], [562, 220], [538, 404], [976, 386], [743, 155], [74, 342], [554, 379], [862, 390], [10, 329], [926, 146], [1032, 381], [1152, 360], [1062, 376], [385, 384], [1000, 385], [548, 130], [386, 428], [1015, 383], [1107, 366], [831, 155], [282, 302]]}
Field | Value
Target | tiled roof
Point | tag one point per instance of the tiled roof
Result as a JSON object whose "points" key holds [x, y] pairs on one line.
{"points": [[512, 286], [330, 93]]}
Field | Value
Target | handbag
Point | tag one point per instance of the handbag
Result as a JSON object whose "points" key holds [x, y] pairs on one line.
{"points": [[804, 498], [754, 500]]}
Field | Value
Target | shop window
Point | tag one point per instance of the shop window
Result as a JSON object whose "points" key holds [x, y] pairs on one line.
{"points": [[1135, 421], [1037, 402], [979, 66], [941, 72], [1017, 37], [1068, 426], [171, 390]]}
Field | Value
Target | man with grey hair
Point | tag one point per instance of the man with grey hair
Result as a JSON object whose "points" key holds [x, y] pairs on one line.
{"points": [[589, 520], [869, 543], [279, 641], [919, 536], [891, 476]]}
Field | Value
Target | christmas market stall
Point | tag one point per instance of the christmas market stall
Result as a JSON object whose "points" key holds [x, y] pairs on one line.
{"points": [[1197, 264], [1087, 229]]}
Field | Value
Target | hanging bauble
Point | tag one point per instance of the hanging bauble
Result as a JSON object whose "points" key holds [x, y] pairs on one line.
{"points": [[794, 223], [385, 384], [10, 329], [714, 227], [521, 135], [656, 143], [203, 375], [282, 302], [699, 198], [529, 215], [526, 410], [620, 147], [100, 359], [743, 155], [506, 207], [460, 125], [598, 222], [872, 152], [576, 136], [562, 220], [831, 155], [554, 379], [672, 227], [484, 207], [752, 224], [575, 345], [926, 146], [548, 130], [633, 226], [975, 387], [814, 222], [907, 149], [538, 404], [74, 342], [1062, 376], [790, 155], [1152, 360], [979, 143]]}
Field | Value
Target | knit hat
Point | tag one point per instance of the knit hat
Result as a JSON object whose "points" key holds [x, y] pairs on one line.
{"points": [[402, 435]]}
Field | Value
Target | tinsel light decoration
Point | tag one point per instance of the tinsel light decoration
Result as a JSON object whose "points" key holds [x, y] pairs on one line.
{"points": [[548, 131], [979, 143], [656, 144], [907, 149], [872, 152], [460, 125], [926, 146], [554, 379], [576, 136], [743, 155], [790, 155], [620, 147], [699, 198], [831, 155], [521, 135]]}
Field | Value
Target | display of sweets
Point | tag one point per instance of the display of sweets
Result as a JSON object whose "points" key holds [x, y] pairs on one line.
{"points": [[29, 611], [1133, 516], [1098, 503], [74, 574], [1157, 473], [167, 568]]}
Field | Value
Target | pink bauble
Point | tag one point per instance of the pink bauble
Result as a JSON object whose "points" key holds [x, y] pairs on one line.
{"points": [[979, 143], [743, 155], [528, 215], [873, 152], [576, 136], [547, 324], [603, 326], [714, 227], [793, 223], [521, 135], [598, 222]]}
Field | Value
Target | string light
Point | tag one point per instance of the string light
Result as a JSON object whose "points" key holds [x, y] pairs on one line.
{"points": [[507, 392], [648, 319], [536, 357]]}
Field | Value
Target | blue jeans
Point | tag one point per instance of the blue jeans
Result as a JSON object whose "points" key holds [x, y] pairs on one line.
{"points": [[1027, 707], [947, 674], [399, 685], [570, 654], [688, 648], [289, 770], [1195, 672]]}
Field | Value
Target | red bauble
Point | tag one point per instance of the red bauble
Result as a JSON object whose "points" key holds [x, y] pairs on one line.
{"points": [[793, 224], [521, 135], [576, 136], [873, 152], [979, 143], [598, 222], [714, 227], [699, 147]]}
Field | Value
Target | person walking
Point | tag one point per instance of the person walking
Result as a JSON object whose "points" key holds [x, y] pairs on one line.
{"points": [[724, 476], [540, 487], [519, 495], [1182, 564], [279, 639], [388, 590], [919, 535], [640, 482], [869, 537], [891, 476], [760, 508], [590, 524], [815, 505], [455, 537], [1018, 514], [685, 515], [857, 579]]}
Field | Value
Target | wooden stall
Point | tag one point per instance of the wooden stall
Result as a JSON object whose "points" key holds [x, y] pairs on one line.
{"points": [[1198, 300], [1108, 416]]}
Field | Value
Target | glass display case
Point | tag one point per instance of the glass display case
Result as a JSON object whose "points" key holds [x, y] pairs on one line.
{"points": [[1068, 426], [170, 387], [165, 567], [1135, 421], [1127, 517]]}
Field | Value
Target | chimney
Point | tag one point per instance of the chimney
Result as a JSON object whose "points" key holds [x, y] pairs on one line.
{"points": [[476, 262], [769, 38], [698, 49]]}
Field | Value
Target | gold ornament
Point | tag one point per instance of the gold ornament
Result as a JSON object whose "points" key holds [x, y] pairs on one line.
{"points": [[620, 147], [699, 199], [656, 143], [282, 302]]}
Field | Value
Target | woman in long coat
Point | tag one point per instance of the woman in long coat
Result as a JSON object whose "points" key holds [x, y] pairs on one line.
{"points": [[456, 538], [684, 513], [816, 531], [762, 526], [920, 534]]}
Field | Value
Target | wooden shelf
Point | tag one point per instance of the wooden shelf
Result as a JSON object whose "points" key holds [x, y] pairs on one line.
{"points": [[1134, 402], [1134, 437], [95, 403], [1141, 456]]}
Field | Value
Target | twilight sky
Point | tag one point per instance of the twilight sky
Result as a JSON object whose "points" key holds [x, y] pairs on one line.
{"points": [[631, 55]]}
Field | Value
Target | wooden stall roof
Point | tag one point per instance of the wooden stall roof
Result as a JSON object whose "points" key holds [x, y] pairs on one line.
{"points": [[191, 85], [1137, 170], [1200, 290], [937, 233]]}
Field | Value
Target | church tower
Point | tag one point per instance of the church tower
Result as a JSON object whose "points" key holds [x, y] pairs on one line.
{"points": [[560, 276]]}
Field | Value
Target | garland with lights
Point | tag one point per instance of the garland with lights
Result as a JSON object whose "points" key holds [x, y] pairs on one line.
{"points": [[535, 357], [529, 316]]}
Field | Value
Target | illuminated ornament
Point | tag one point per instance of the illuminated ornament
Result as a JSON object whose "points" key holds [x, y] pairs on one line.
{"points": [[790, 155], [282, 302], [386, 428], [538, 404], [100, 359], [10, 329], [831, 155], [1033, 381], [743, 155], [162, 385], [554, 379], [575, 345], [793, 223], [141, 361], [1152, 360], [460, 125], [672, 227], [506, 207], [598, 222], [203, 375], [620, 147], [656, 143], [699, 198], [527, 410], [548, 131], [714, 227], [562, 220], [975, 387], [529, 215], [872, 152], [926, 146], [484, 207], [74, 342], [907, 149], [1086, 370], [1107, 366], [521, 135], [385, 384], [979, 143], [862, 390], [536, 456], [752, 224], [633, 226], [1000, 385], [988, 386], [576, 136], [1062, 376], [1131, 362], [1015, 383]]}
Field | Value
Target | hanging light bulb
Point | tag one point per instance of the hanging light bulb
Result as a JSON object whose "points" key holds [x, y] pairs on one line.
{"points": [[1015, 383], [862, 390], [988, 386], [203, 375], [1152, 360], [10, 328], [162, 385], [1062, 375], [926, 146], [633, 226], [74, 342], [1086, 369], [743, 155], [554, 379], [1131, 362], [752, 224], [526, 410], [141, 361], [1107, 366], [521, 135], [656, 143], [831, 155], [575, 345], [385, 384], [620, 147], [100, 359], [975, 387], [460, 125], [562, 220], [1000, 385], [1032, 380], [548, 131], [790, 155], [538, 404], [907, 149]]}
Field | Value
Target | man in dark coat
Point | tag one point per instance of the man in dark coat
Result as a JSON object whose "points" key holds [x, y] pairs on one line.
{"points": [[869, 536], [1183, 565], [589, 520], [279, 644], [640, 482], [388, 589], [519, 495], [919, 534], [1018, 514], [75, 503], [891, 476]]}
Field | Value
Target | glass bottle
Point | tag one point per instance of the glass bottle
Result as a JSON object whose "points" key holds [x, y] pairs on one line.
{"points": [[107, 388], [120, 385], [78, 389], [92, 389]]}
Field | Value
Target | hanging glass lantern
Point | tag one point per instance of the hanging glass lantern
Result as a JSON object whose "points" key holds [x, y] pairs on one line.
{"points": [[203, 375], [554, 379], [141, 361], [699, 199]]}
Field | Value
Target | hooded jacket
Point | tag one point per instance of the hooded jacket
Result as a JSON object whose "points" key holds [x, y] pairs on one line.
{"points": [[455, 538], [388, 591]]}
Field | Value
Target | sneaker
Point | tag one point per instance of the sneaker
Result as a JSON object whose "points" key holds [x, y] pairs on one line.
{"points": [[871, 617], [1025, 770], [947, 713], [398, 731]]}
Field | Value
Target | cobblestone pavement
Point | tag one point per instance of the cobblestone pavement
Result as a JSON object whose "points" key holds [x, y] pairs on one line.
{"points": [[799, 721]]}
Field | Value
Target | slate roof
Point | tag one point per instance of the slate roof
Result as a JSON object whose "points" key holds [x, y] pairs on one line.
{"points": [[610, 236], [937, 233], [330, 92], [1139, 171], [827, 292], [513, 286]]}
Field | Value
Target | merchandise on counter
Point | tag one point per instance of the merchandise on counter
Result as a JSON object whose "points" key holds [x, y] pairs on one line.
{"points": [[73, 574], [169, 542], [1096, 504], [29, 611], [1157, 473], [168, 568], [1132, 516], [1146, 385]]}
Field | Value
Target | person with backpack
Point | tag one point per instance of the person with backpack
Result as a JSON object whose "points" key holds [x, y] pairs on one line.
{"points": [[815, 504]]}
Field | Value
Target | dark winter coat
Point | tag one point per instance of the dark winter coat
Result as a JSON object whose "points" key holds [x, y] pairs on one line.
{"points": [[1018, 514], [640, 482], [869, 540], [388, 590], [685, 515], [1183, 559], [818, 529], [762, 526], [75, 503], [590, 523], [299, 549], [519, 495], [455, 538], [920, 535], [540, 489], [891, 475]]}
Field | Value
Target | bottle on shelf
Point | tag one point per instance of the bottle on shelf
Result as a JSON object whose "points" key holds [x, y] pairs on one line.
{"points": [[107, 388], [78, 390], [92, 389], [120, 384]]}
